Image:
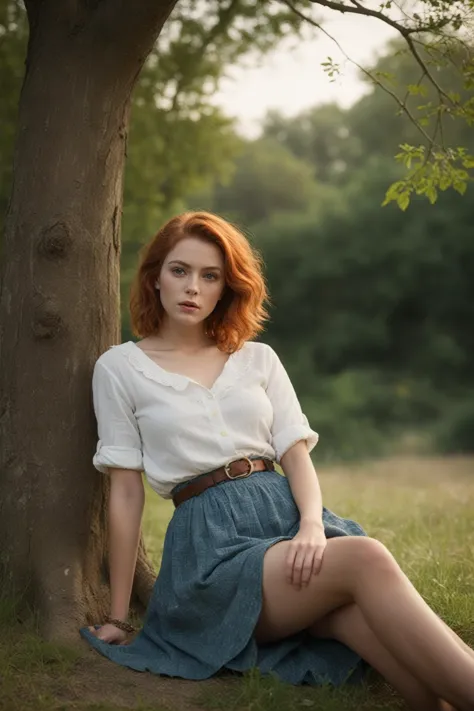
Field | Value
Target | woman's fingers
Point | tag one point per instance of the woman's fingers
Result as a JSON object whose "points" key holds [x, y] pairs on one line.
{"points": [[308, 562], [96, 633], [318, 559], [290, 563], [304, 559], [298, 568], [300, 562], [295, 566]]}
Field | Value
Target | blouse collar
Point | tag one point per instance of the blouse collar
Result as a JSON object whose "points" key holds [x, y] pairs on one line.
{"points": [[236, 365]]}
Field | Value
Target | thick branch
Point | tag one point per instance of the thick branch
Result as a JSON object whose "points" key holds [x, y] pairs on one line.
{"points": [[55, 11], [116, 25], [136, 24], [357, 9]]}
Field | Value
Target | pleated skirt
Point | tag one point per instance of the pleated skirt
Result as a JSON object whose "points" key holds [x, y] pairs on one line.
{"points": [[207, 597]]}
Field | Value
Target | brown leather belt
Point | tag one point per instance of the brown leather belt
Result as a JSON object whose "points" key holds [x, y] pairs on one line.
{"points": [[237, 469]]}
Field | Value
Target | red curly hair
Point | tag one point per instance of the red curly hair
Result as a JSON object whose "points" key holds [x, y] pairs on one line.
{"points": [[239, 315]]}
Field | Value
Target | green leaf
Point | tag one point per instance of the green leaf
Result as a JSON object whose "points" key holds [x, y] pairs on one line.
{"points": [[445, 182], [460, 187], [403, 200], [455, 97], [417, 90], [431, 194]]}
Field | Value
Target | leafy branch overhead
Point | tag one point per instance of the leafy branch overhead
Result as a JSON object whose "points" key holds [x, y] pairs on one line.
{"points": [[190, 142], [437, 34]]}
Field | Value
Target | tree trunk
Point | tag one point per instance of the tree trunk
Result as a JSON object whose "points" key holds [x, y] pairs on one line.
{"points": [[59, 303]]}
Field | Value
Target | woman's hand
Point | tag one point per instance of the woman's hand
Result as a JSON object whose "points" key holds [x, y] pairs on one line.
{"points": [[109, 633], [305, 553]]}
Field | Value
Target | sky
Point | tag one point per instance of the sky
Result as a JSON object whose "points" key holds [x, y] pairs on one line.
{"points": [[291, 78]]}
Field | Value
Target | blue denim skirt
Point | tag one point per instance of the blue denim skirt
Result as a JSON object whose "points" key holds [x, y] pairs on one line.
{"points": [[207, 597]]}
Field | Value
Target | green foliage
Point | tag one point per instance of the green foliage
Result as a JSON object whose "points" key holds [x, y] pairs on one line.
{"points": [[370, 307], [371, 310], [446, 86], [332, 69], [321, 136], [428, 174], [180, 142], [438, 14], [454, 430], [259, 186], [179, 139], [169, 155], [335, 141]]}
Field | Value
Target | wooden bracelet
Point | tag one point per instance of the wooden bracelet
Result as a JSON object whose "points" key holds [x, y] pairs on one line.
{"points": [[124, 626]]}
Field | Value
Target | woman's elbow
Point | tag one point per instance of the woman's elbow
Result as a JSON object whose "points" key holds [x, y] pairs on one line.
{"points": [[127, 483], [295, 455]]}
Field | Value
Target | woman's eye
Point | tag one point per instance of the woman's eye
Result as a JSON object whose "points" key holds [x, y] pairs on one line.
{"points": [[179, 270], [175, 270]]}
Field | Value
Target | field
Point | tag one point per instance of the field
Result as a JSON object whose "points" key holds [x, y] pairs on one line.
{"points": [[422, 509]]}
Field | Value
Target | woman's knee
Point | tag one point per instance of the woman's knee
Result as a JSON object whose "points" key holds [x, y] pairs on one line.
{"points": [[369, 554]]}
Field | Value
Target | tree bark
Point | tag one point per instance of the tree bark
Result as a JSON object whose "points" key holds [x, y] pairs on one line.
{"points": [[59, 303]]}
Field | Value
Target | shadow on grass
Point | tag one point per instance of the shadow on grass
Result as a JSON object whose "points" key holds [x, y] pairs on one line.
{"points": [[36, 675], [254, 692]]}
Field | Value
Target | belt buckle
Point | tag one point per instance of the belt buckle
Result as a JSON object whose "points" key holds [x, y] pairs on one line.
{"points": [[238, 476]]}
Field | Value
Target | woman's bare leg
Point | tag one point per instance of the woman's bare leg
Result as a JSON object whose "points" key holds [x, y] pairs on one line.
{"points": [[458, 640], [348, 625], [361, 570]]}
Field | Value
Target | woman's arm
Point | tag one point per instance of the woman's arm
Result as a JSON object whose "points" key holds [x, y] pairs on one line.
{"points": [[304, 483], [127, 499], [305, 553]]}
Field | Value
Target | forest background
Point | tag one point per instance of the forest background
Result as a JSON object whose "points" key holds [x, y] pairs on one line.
{"points": [[372, 307]]}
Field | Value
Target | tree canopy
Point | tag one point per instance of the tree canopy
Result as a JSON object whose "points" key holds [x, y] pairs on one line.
{"points": [[371, 307], [390, 314]]}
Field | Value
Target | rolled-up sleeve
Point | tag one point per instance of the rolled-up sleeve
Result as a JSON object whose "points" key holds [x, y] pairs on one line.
{"points": [[290, 424], [119, 442]]}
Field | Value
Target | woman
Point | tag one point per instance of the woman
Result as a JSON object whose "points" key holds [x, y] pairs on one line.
{"points": [[255, 571]]}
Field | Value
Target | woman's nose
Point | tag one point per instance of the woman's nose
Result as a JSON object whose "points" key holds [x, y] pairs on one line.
{"points": [[193, 286]]}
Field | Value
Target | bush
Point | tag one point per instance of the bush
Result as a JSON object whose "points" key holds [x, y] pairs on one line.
{"points": [[454, 433]]}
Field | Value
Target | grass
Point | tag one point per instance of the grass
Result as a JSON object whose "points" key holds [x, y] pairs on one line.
{"points": [[422, 509], [256, 693]]}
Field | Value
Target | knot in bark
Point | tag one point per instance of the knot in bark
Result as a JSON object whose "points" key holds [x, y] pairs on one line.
{"points": [[55, 241], [47, 323]]}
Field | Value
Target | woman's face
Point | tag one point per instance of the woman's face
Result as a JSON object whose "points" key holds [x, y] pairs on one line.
{"points": [[192, 271]]}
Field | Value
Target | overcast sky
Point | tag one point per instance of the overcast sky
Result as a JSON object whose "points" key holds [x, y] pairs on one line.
{"points": [[291, 78]]}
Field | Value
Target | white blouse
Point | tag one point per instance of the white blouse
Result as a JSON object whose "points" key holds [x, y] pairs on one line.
{"points": [[173, 428]]}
